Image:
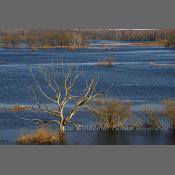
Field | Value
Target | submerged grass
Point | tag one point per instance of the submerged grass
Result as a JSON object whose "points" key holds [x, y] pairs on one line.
{"points": [[41, 136]]}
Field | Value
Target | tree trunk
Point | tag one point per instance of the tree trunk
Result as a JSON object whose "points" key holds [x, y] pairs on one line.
{"points": [[61, 134]]}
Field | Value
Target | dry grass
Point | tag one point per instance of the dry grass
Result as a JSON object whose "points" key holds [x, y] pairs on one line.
{"points": [[33, 47], [169, 111], [153, 120], [19, 108], [111, 113], [41, 136], [153, 43]]}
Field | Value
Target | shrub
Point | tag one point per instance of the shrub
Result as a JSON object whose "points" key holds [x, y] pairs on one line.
{"points": [[111, 113], [169, 111], [40, 136], [153, 120]]}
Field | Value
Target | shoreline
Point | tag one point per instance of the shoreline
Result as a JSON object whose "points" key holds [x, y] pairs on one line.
{"points": [[152, 43], [43, 47], [9, 136], [161, 43]]}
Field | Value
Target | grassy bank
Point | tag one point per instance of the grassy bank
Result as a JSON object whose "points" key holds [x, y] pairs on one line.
{"points": [[154, 43], [45, 47], [162, 43]]}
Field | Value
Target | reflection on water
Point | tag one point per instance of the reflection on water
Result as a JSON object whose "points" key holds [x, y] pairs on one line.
{"points": [[160, 137]]}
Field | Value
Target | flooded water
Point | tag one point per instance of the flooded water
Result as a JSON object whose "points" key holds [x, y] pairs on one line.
{"points": [[142, 75]]}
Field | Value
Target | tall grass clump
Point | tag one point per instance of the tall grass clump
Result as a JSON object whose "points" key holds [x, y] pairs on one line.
{"points": [[111, 113], [169, 110], [152, 119], [41, 136]]}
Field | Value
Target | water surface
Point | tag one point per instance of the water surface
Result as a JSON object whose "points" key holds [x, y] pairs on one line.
{"points": [[133, 76]]}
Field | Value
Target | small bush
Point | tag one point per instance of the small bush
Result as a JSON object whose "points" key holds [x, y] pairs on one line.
{"points": [[153, 120], [111, 113], [41, 137], [169, 111]]}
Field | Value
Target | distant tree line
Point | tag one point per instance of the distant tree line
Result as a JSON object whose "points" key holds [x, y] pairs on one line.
{"points": [[61, 38], [10, 40], [77, 38], [132, 35], [48, 39]]}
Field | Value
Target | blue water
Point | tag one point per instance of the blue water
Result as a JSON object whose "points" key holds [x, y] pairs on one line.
{"points": [[133, 76]]}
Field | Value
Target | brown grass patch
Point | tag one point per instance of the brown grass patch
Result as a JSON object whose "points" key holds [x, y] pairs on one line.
{"points": [[19, 108], [41, 136], [154, 43], [33, 47]]}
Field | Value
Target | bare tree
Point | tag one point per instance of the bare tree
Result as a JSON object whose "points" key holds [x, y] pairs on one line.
{"points": [[62, 93]]}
